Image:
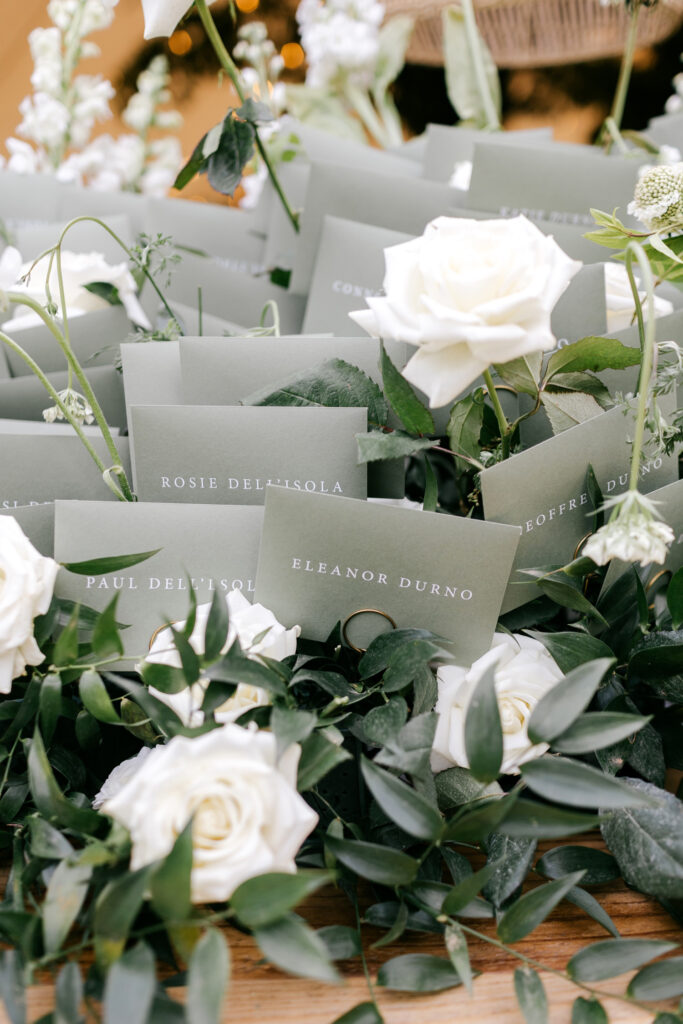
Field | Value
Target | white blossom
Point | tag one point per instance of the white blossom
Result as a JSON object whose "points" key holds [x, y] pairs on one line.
{"points": [[341, 39], [658, 197], [633, 533], [76, 405]]}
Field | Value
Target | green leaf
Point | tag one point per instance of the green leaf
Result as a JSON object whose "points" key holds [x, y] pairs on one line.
{"points": [[291, 945], [382, 724], [393, 39], [598, 866], [457, 786], [116, 908], [657, 662], [401, 804], [208, 977], [381, 864], [571, 649], [477, 823], [96, 699], [588, 903], [597, 730], [291, 726], [407, 663], [364, 1013], [217, 624], [533, 907], [160, 713], [68, 994], [65, 895], [395, 444], [531, 995], [588, 1011], [261, 900], [333, 384], [611, 957], [521, 374], [193, 166], [556, 711], [462, 71], [648, 842], [166, 678], [50, 705], [466, 890], [105, 638], [170, 884], [103, 566], [225, 166], [403, 400], [383, 647], [568, 596], [483, 731], [539, 821], [318, 757], [418, 972], [129, 987], [511, 858], [12, 990], [578, 785], [66, 648], [567, 409], [464, 426], [255, 112], [658, 981], [49, 798], [594, 355], [235, 667], [456, 947], [674, 598], [47, 842], [431, 495]]}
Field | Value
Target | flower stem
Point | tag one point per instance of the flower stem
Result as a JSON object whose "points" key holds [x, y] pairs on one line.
{"points": [[233, 74], [503, 425], [619, 101], [474, 45], [647, 345]]}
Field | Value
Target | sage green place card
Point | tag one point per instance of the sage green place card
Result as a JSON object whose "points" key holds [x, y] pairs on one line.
{"points": [[227, 455], [151, 373], [25, 397], [669, 502], [38, 523], [35, 468], [207, 229], [543, 490], [86, 237], [215, 547], [95, 339], [446, 145], [324, 558], [28, 197]]}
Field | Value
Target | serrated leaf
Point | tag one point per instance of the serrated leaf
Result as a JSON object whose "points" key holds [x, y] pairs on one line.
{"points": [[464, 426], [414, 416], [658, 981], [395, 444], [594, 355], [207, 978], [578, 785], [103, 566], [533, 907], [381, 864], [531, 995], [483, 731], [648, 842], [521, 374], [291, 945], [261, 900], [567, 409], [331, 384], [129, 987], [418, 972], [403, 805], [563, 704], [612, 957]]}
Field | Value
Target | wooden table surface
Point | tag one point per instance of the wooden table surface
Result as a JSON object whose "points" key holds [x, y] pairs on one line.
{"points": [[260, 994]]}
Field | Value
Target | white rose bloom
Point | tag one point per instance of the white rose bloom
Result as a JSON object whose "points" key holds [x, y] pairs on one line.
{"points": [[248, 818], [247, 622], [621, 308], [468, 293], [27, 580], [162, 16], [78, 269], [119, 776], [525, 672]]}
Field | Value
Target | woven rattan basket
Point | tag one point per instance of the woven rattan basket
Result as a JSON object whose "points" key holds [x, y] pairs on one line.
{"points": [[533, 33]]}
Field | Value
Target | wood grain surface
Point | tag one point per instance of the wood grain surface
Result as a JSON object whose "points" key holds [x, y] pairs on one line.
{"points": [[260, 994]]}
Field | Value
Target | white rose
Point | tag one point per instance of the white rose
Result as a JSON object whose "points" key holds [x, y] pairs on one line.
{"points": [[162, 16], [27, 580], [525, 672], [246, 623], [621, 308], [248, 817], [119, 776], [78, 269], [469, 293]]}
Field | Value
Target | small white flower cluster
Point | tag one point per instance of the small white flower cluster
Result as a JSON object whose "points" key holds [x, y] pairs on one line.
{"points": [[59, 117], [658, 198], [76, 405], [633, 534], [341, 39]]}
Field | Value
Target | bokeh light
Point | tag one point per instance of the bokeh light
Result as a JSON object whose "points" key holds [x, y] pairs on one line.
{"points": [[293, 55], [180, 43], [246, 6]]}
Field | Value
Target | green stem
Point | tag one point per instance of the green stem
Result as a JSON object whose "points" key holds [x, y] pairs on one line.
{"points": [[619, 102], [477, 56], [367, 113], [503, 425], [366, 970], [647, 344], [233, 74], [33, 366]]}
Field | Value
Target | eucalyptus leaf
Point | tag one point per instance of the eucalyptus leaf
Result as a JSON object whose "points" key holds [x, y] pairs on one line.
{"points": [[401, 804], [129, 987], [598, 866], [418, 972], [612, 957], [511, 858], [588, 903], [49, 705], [659, 981], [533, 907], [383, 647], [341, 942], [105, 638], [68, 994], [261, 900], [49, 798], [558, 708], [66, 893], [588, 1011], [456, 947], [531, 996], [207, 978], [598, 729]]}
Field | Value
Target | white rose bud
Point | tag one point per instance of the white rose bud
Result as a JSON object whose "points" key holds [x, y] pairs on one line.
{"points": [[27, 580], [524, 673], [469, 294], [248, 818]]}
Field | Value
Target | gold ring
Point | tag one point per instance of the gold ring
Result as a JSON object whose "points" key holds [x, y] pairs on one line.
{"points": [[160, 629], [362, 611]]}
